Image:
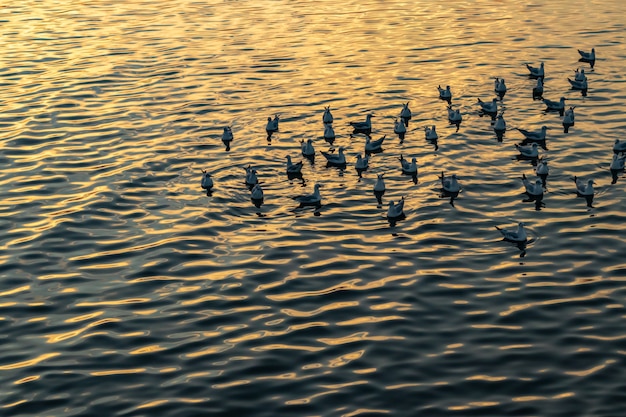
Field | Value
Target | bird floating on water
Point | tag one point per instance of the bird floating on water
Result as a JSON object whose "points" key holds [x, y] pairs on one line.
{"points": [[207, 181], [227, 137], [338, 159], [257, 192], [619, 146], [314, 199], [454, 116], [272, 124], [379, 186], [408, 167], [405, 114], [534, 135], [578, 85], [307, 148], [517, 236], [329, 133], [430, 133], [445, 93], [500, 86], [293, 168], [363, 127], [555, 105], [372, 146], [579, 74], [542, 169], [533, 190], [589, 57], [395, 210], [362, 163], [251, 177], [568, 119], [500, 124], [536, 72], [327, 117], [450, 184], [618, 162], [528, 151], [489, 108], [399, 128], [538, 88]]}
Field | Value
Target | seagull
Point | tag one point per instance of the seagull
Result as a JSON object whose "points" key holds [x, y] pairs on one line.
{"points": [[617, 164], [374, 145], [399, 127], [528, 151], [445, 94], [538, 88], [408, 167], [329, 133], [536, 72], [619, 146], [500, 125], [307, 147], [431, 133], [338, 159], [405, 114], [454, 116], [227, 136], [257, 192], [450, 184], [568, 119], [517, 236], [362, 163], [251, 177], [588, 56], [500, 86], [272, 124], [580, 74], [327, 117], [379, 187], [490, 108], [578, 85], [542, 169], [533, 190], [395, 210], [314, 199], [583, 188], [207, 181], [555, 105], [293, 168], [535, 136], [363, 126]]}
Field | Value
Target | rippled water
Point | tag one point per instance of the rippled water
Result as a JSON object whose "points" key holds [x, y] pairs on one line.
{"points": [[126, 290]]}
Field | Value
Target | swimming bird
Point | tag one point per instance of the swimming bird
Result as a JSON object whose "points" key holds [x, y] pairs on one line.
{"points": [[293, 168], [431, 133], [257, 192], [618, 161], [533, 190], [307, 148], [445, 93], [399, 128], [227, 137], [363, 127], [327, 117], [517, 236], [568, 119], [362, 163], [579, 75], [329, 133], [587, 56], [207, 181], [619, 146], [500, 124], [578, 85], [338, 159], [535, 135], [454, 116], [395, 210], [490, 108], [536, 72], [584, 188], [251, 177], [555, 105], [372, 146], [538, 88], [272, 125], [408, 167], [405, 113], [379, 186], [314, 199], [450, 184], [528, 151], [500, 86], [542, 169]]}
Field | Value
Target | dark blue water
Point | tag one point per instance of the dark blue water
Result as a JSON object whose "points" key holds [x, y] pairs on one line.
{"points": [[126, 290]]}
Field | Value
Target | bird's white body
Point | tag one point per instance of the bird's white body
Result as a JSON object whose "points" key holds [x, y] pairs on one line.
{"points": [[408, 167], [450, 184], [379, 186], [257, 192], [399, 127], [207, 181], [431, 133], [251, 177], [500, 86], [374, 145], [528, 151], [542, 167], [584, 188], [293, 168], [534, 189], [396, 210], [619, 146], [327, 117], [489, 107], [329, 132], [335, 159], [534, 135], [272, 124], [536, 71], [315, 198], [515, 236], [500, 123], [555, 105], [445, 93], [366, 125], [617, 164], [362, 163], [307, 147]]}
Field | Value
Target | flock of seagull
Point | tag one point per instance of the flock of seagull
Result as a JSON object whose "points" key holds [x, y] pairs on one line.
{"points": [[450, 186]]}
